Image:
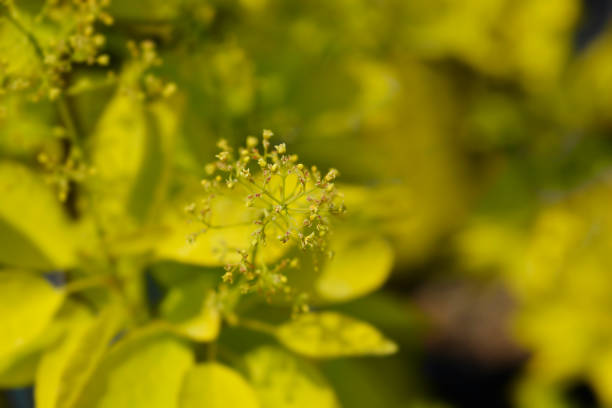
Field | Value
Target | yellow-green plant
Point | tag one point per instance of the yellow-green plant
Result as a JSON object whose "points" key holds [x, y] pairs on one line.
{"points": [[124, 286]]}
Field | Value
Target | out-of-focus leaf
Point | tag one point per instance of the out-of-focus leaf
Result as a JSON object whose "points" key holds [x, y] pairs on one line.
{"points": [[145, 369], [601, 376], [232, 229], [27, 305], [589, 85], [26, 128], [358, 382], [330, 334], [130, 151], [34, 231], [212, 247], [21, 371], [192, 309], [169, 274], [17, 53], [65, 369], [531, 393], [282, 380], [360, 265], [214, 385]]}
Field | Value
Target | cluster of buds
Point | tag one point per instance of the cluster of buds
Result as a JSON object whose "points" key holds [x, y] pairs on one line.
{"points": [[60, 171], [84, 42], [145, 56], [80, 44], [288, 203]]}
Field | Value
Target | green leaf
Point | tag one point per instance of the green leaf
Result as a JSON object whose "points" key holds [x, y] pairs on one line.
{"points": [[27, 305], [65, 369], [213, 385], [146, 369], [192, 309], [331, 334], [34, 231], [360, 266], [281, 380], [169, 274]]}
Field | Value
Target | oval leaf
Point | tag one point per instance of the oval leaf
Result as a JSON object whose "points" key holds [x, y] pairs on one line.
{"points": [[27, 305], [143, 370], [359, 267], [283, 381], [65, 369], [130, 151], [331, 334], [213, 385], [34, 231], [192, 311]]}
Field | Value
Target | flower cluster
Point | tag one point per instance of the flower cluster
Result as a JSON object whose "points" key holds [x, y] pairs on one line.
{"points": [[144, 56], [289, 205], [76, 42]]}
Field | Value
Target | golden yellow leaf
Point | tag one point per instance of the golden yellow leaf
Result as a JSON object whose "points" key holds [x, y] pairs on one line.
{"points": [[282, 380], [331, 334], [214, 385]]}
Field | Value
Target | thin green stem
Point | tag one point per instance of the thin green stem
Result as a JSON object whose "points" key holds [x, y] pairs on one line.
{"points": [[237, 224], [312, 190]]}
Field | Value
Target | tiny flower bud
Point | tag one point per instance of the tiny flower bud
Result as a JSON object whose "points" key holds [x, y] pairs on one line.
{"points": [[106, 19], [281, 148], [251, 141], [169, 89], [54, 93], [210, 168], [223, 145], [99, 40], [267, 134], [103, 60]]}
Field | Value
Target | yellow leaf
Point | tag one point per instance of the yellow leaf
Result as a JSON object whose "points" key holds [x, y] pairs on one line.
{"points": [[213, 247], [232, 228], [213, 385], [360, 266], [65, 369], [330, 334], [145, 369], [283, 381], [21, 371], [18, 53], [34, 231], [601, 376], [27, 305], [130, 152]]}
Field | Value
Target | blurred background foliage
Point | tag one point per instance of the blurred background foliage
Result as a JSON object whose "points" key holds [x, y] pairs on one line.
{"points": [[474, 142]]}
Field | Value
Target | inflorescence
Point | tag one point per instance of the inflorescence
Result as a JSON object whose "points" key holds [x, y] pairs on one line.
{"points": [[289, 205]]}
